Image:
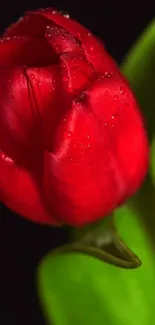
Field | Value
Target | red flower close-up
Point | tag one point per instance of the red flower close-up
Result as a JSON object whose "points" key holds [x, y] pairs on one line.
{"points": [[73, 145]]}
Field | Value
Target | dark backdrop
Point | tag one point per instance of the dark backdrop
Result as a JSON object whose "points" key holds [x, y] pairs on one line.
{"points": [[23, 243]]}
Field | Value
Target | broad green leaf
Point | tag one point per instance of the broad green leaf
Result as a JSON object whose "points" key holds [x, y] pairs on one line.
{"points": [[76, 289], [139, 68]]}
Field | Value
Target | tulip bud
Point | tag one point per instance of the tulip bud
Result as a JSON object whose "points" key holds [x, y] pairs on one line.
{"points": [[72, 138]]}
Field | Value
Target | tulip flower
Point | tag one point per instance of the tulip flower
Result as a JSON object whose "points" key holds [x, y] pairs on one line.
{"points": [[73, 144]]}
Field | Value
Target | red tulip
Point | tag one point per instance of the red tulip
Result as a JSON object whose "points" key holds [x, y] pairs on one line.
{"points": [[73, 144]]}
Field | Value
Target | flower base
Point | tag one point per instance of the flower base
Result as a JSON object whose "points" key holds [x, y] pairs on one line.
{"points": [[103, 242]]}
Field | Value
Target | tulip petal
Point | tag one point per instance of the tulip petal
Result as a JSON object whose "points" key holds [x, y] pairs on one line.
{"points": [[113, 103], [80, 173], [91, 168], [75, 68], [25, 51], [77, 74], [29, 25], [46, 86], [20, 141], [94, 50], [16, 114], [19, 120], [34, 23], [62, 41], [20, 192], [28, 113]]}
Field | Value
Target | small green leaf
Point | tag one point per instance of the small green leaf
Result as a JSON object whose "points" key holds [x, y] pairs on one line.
{"points": [[139, 68], [76, 289]]}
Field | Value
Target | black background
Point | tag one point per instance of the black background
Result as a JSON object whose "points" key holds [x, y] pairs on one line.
{"points": [[23, 243]]}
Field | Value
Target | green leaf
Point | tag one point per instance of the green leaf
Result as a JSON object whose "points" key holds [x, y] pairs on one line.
{"points": [[139, 68], [76, 289]]}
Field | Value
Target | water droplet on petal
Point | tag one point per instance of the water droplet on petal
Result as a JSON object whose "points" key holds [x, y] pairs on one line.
{"points": [[113, 118], [65, 14], [63, 66], [5, 157], [78, 35], [70, 89], [8, 159], [122, 90], [65, 79], [20, 19], [69, 134], [115, 97], [105, 124], [91, 48], [32, 76], [107, 92], [107, 74]]}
